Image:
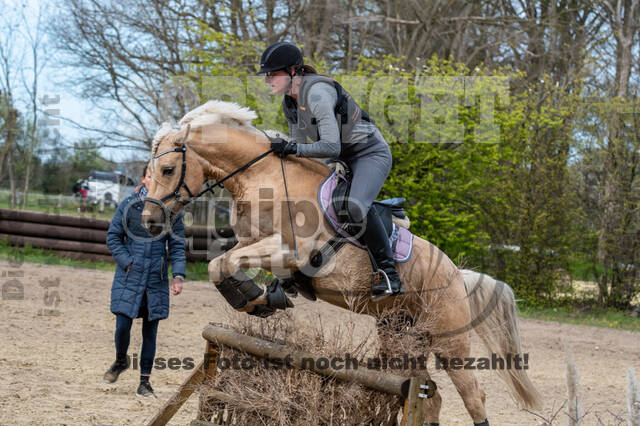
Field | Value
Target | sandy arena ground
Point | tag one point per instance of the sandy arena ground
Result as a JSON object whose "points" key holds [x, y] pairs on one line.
{"points": [[52, 365]]}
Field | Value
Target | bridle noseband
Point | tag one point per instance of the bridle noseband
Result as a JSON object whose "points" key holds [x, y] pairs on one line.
{"points": [[176, 192]]}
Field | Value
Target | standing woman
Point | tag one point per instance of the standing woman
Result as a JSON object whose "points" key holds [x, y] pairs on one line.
{"points": [[316, 107], [140, 285]]}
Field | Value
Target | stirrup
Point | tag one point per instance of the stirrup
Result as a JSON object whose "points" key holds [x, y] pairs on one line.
{"points": [[388, 292]]}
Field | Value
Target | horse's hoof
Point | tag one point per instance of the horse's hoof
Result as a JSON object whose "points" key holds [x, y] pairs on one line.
{"points": [[262, 311]]}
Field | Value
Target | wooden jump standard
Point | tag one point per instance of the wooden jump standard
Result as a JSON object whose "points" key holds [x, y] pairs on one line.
{"points": [[412, 389]]}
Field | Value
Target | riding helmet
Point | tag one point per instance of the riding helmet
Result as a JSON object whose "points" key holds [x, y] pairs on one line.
{"points": [[279, 56]]}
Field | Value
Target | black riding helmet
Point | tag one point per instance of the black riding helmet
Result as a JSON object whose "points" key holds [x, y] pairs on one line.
{"points": [[279, 56]]}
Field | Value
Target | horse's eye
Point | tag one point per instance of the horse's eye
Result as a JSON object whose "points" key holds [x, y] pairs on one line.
{"points": [[167, 171]]}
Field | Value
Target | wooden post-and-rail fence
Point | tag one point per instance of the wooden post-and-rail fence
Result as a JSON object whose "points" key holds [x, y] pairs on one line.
{"points": [[85, 238], [411, 389]]}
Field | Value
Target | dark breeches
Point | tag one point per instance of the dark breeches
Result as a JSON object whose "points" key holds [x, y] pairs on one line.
{"points": [[369, 173]]}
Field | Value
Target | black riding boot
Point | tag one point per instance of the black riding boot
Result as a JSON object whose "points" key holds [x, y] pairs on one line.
{"points": [[375, 236]]}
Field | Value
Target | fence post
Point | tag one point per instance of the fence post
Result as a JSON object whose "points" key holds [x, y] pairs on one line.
{"points": [[210, 366], [412, 413], [165, 414], [413, 389]]}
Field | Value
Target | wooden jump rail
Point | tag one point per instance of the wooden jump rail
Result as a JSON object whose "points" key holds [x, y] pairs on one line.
{"points": [[412, 389], [85, 238]]}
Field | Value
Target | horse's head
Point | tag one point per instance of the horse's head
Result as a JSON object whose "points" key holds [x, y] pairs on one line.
{"points": [[176, 176]]}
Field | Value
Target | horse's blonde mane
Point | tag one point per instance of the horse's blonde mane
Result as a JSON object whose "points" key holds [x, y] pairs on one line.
{"points": [[211, 112], [164, 130], [220, 112]]}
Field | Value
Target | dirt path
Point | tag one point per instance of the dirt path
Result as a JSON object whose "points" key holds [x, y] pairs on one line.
{"points": [[52, 365]]}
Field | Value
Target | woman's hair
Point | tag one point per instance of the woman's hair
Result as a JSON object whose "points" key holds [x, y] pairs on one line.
{"points": [[305, 69]]}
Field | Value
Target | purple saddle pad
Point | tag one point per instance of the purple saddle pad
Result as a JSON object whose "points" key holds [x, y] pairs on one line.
{"points": [[401, 239]]}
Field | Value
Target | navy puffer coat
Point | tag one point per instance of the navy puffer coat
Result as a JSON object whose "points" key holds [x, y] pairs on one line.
{"points": [[130, 244]]}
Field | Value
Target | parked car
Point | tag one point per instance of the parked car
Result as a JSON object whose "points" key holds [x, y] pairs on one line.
{"points": [[112, 187]]}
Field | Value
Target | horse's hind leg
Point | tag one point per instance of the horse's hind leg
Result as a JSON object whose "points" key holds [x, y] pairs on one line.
{"points": [[453, 348], [463, 379], [467, 386]]}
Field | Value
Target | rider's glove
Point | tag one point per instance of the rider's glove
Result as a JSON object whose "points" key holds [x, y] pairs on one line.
{"points": [[283, 148]]}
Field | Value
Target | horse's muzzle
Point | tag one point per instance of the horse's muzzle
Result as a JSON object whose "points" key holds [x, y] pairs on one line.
{"points": [[155, 217]]}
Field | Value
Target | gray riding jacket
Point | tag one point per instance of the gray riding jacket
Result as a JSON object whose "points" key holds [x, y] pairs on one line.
{"points": [[314, 117]]}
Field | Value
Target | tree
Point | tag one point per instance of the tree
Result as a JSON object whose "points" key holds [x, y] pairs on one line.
{"points": [[136, 54], [34, 38], [128, 52], [10, 63], [619, 224]]}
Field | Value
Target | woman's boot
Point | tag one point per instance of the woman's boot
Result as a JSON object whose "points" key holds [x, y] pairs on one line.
{"points": [[375, 236]]}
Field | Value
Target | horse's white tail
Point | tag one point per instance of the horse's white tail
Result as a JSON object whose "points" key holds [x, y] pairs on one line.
{"points": [[493, 313]]}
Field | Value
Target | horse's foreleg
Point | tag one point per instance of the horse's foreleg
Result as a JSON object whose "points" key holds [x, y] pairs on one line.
{"points": [[242, 293]]}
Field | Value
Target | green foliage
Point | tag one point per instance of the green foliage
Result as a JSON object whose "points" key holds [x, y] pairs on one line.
{"points": [[597, 317], [224, 67], [473, 180], [221, 53], [606, 179], [583, 267], [519, 187], [86, 157], [539, 203], [57, 174]]}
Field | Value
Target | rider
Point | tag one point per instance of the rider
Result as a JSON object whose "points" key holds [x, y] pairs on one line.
{"points": [[318, 108]]}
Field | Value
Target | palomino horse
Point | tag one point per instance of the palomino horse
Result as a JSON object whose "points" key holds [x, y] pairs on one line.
{"points": [[217, 139]]}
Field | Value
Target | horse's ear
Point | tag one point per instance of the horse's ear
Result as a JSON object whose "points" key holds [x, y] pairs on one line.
{"points": [[180, 138]]}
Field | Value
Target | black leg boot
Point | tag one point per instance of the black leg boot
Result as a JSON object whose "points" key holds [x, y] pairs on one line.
{"points": [[375, 237]]}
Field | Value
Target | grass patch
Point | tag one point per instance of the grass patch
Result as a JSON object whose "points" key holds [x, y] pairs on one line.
{"points": [[598, 317], [195, 270], [47, 257], [198, 271]]}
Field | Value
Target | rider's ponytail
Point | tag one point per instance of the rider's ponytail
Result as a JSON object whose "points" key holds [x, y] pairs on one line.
{"points": [[305, 70]]}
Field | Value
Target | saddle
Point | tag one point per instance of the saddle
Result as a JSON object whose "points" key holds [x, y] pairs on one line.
{"points": [[387, 209], [332, 196]]}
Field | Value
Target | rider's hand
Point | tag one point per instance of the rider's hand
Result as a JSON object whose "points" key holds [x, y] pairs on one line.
{"points": [[283, 148]]}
